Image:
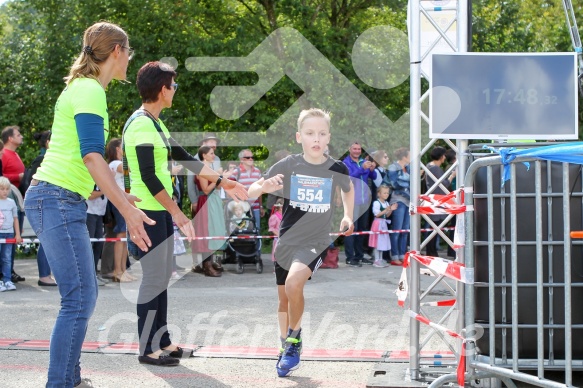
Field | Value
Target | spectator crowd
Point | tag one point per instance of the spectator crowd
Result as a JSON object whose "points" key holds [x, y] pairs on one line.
{"points": [[381, 183]]}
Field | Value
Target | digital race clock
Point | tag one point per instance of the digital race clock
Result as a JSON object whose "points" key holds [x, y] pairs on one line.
{"points": [[504, 95]]}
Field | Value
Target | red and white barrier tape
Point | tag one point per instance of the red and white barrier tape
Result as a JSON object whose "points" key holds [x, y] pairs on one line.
{"points": [[250, 237], [390, 231], [440, 303], [451, 269], [436, 326], [440, 204], [461, 368], [446, 204]]}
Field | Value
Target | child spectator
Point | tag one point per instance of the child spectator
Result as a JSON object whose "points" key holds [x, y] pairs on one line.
{"points": [[9, 228], [381, 211], [238, 209], [274, 222], [400, 181]]}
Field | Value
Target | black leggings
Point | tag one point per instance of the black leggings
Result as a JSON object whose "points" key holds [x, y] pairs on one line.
{"points": [[152, 306]]}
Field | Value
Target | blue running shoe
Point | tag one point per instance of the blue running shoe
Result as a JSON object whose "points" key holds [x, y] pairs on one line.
{"points": [[290, 357]]}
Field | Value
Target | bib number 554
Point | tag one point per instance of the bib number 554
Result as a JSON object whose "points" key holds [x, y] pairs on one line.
{"points": [[310, 195]]}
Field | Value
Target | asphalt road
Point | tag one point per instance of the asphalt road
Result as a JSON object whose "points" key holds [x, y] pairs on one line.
{"points": [[348, 310]]}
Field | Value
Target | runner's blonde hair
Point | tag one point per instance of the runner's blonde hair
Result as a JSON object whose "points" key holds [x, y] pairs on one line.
{"points": [[311, 113]]}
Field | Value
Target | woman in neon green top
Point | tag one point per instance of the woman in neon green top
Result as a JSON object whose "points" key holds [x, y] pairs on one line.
{"points": [[150, 150], [55, 201]]}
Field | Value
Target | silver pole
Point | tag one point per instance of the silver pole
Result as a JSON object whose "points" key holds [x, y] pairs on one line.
{"points": [[415, 147], [491, 268], [462, 146], [514, 266], [539, 270], [567, 274]]}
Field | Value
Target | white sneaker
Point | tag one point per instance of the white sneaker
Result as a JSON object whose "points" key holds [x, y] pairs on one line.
{"points": [[9, 286], [175, 276], [379, 264], [2, 288], [100, 282]]}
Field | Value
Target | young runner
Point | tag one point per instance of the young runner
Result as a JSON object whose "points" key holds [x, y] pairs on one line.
{"points": [[309, 181]]}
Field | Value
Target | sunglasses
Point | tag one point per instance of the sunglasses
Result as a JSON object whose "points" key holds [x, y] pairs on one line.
{"points": [[130, 51], [247, 157], [175, 86]]}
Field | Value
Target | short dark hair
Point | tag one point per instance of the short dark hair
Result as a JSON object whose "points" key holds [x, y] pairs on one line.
{"points": [[152, 77], [437, 153], [202, 151], [401, 152], [450, 156], [8, 132], [111, 149]]}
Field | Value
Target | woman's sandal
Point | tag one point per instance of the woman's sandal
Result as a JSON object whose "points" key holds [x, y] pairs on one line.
{"points": [[120, 279]]}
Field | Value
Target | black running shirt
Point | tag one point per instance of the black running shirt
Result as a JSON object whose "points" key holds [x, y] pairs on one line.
{"points": [[309, 191]]}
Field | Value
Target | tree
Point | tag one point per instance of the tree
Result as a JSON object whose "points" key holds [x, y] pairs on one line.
{"points": [[39, 40]]}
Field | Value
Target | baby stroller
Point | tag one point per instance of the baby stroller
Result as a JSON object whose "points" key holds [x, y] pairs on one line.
{"points": [[240, 223]]}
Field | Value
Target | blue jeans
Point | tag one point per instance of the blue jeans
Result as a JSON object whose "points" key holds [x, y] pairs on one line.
{"points": [[353, 245], [58, 217], [44, 269], [6, 258], [257, 216], [13, 246], [400, 219]]}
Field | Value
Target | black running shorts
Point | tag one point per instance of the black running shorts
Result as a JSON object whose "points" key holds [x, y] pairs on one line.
{"points": [[310, 256]]}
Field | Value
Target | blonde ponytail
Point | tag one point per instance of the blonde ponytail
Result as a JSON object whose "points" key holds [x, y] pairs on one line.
{"points": [[99, 41]]}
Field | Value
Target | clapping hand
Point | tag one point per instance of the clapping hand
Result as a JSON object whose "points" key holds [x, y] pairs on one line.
{"points": [[235, 189]]}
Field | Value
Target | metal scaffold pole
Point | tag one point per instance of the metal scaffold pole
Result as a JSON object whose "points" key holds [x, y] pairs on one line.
{"points": [[422, 14], [415, 146]]}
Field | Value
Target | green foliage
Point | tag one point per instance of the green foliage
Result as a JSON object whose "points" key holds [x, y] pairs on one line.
{"points": [[524, 26], [39, 40], [47, 35]]}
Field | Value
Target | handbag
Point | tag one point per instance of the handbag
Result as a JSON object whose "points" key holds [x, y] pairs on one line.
{"points": [[179, 248], [331, 259], [133, 249], [108, 217]]}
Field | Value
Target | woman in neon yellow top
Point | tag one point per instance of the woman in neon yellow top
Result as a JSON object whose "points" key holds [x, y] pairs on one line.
{"points": [[55, 201], [150, 150]]}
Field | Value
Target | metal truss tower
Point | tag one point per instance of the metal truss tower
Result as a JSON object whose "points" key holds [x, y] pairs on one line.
{"points": [[427, 13]]}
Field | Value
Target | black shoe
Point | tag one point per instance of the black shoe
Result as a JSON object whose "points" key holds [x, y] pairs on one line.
{"points": [[17, 278], [163, 360], [45, 284], [366, 261], [354, 263], [181, 352]]}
